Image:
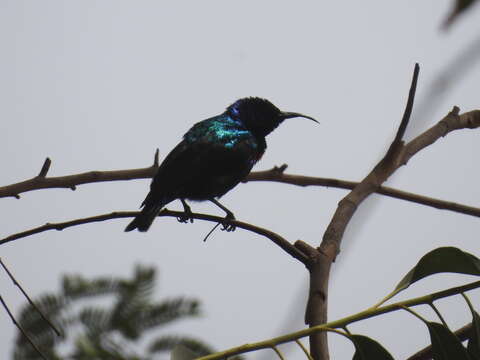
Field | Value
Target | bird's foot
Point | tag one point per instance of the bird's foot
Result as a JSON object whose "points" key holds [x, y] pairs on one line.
{"points": [[186, 217], [226, 226]]}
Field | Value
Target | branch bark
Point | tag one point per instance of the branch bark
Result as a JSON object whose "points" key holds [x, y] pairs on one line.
{"points": [[274, 237], [397, 155], [275, 174], [71, 181], [316, 312]]}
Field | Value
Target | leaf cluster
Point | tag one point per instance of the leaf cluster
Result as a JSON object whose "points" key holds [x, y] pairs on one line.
{"points": [[445, 344], [91, 330]]}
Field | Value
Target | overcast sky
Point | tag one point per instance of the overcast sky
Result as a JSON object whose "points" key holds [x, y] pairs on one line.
{"points": [[99, 85]]}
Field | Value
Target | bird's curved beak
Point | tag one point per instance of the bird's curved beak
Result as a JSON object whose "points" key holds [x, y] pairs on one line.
{"points": [[288, 115]]}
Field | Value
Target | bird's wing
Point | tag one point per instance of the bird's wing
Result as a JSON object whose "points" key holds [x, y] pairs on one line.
{"points": [[203, 163]]}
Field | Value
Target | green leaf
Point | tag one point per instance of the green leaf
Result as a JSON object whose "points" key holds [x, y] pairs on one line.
{"points": [[76, 286], [111, 332], [445, 345], [96, 320], [166, 311], [167, 343], [473, 346], [368, 349], [134, 299], [181, 352], [444, 259]]}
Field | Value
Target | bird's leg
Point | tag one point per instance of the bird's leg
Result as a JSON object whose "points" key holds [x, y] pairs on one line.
{"points": [[188, 213], [230, 216]]}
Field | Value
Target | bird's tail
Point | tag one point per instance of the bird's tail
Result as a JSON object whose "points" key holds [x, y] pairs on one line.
{"points": [[143, 220]]}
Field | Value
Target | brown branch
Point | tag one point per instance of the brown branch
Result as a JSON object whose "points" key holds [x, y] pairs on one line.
{"points": [[71, 181], [426, 353], [275, 174], [397, 155], [275, 238], [37, 309], [319, 267]]}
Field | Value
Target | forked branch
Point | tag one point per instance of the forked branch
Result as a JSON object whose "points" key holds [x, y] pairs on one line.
{"points": [[320, 265]]}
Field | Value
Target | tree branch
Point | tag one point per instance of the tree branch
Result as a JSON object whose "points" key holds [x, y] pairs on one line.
{"points": [[275, 238], [275, 174], [316, 312], [71, 181], [397, 155]]}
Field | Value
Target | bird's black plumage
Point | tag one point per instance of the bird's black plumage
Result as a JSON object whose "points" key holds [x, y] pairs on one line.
{"points": [[213, 157]]}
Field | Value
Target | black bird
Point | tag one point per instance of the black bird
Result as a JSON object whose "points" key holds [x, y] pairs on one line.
{"points": [[213, 157]]}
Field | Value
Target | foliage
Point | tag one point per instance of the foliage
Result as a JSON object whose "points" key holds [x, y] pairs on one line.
{"points": [[90, 331], [445, 344]]}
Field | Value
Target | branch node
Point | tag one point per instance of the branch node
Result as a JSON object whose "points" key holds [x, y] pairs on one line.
{"points": [[155, 159], [16, 196], [73, 187], [45, 167], [281, 169], [307, 249]]}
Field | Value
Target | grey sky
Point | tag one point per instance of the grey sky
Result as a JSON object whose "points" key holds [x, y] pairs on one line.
{"points": [[99, 85]]}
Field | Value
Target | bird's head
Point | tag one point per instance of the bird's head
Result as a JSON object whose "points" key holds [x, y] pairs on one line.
{"points": [[259, 115]]}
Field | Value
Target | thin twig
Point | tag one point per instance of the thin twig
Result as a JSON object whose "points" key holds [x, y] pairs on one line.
{"points": [[406, 114], [301, 180], [71, 181], [210, 232], [21, 329], [304, 349], [45, 168], [37, 309], [278, 352], [439, 314], [155, 158], [277, 239], [414, 313]]}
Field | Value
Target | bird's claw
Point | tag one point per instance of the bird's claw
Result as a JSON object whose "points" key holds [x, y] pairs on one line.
{"points": [[187, 213], [185, 218], [226, 226]]}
